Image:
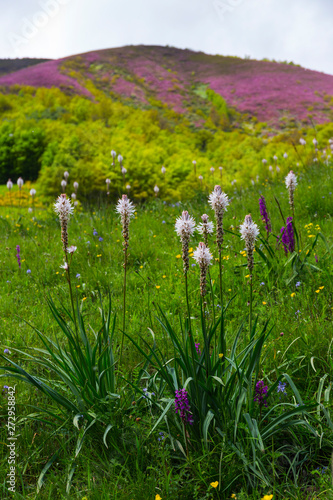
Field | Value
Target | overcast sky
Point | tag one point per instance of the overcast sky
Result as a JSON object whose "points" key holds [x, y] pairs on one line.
{"points": [[294, 30]]}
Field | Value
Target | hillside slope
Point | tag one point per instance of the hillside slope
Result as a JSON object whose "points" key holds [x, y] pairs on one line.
{"points": [[276, 93]]}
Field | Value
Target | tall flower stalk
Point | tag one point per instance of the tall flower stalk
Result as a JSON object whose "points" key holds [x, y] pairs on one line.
{"points": [[64, 209], [219, 202], [20, 185], [291, 184], [125, 209], [264, 215], [10, 187], [203, 257], [249, 233], [182, 407], [184, 227]]}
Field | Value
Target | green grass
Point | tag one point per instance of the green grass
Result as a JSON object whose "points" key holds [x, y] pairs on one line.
{"points": [[149, 467]]}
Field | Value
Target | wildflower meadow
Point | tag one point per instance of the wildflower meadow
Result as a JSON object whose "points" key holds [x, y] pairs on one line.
{"points": [[165, 349]]}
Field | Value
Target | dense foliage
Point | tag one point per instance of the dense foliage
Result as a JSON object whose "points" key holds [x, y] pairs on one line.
{"points": [[45, 132]]}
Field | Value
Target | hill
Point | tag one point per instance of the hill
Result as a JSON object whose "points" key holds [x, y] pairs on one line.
{"points": [[148, 76], [11, 65]]}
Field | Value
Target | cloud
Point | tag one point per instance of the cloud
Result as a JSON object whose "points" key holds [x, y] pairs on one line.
{"points": [[298, 31]]}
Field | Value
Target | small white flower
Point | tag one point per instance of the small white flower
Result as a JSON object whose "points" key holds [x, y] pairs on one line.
{"points": [[71, 249], [185, 225], [212, 169], [128, 187], [291, 181], [20, 182], [9, 184], [264, 161], [65, 266], [125, 207], [123, 170], [315, 142], [249, 230], [113, 154], [156, 189], [220, 169], [218, 200], [66, 175], [277, 169], [252, 182], [302, 141], [275, 157], [32, 192], [30, 210], [76, 203], [108, 182], [163, 170], [194, 162], [285, 155], [200, 178], [202, 255], [120, 159], [63, 184], [63, 207], [73, 196], [270, 168], [76, 185], [206, 226]]}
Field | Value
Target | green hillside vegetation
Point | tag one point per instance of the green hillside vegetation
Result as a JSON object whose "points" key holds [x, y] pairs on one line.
{"points": [[44, 132]]}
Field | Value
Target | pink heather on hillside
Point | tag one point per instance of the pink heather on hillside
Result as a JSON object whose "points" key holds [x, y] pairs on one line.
{"points": [[45, 74], [268, 91]]}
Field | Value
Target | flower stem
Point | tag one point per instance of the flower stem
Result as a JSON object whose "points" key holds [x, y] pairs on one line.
{"points": [[71, 291], [124, 305], [251, 286]]}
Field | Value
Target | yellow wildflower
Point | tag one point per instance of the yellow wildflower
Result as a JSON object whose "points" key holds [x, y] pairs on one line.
{"points": [[178, 256], [221, 355], [215, 484], [264, 303], [292, 294], [267, 497], [158, 286], [320, 288], [158, 497]]}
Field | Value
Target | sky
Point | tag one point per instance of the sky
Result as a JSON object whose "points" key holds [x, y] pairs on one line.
{"points": [[284, 30]]}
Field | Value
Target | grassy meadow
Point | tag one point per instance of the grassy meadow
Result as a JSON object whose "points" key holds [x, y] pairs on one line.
{"points": [[130, 443]]}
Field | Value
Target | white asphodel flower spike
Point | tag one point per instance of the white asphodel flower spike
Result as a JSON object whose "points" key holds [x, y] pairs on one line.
{"points": [[291, 184], [302, 141], [249, 233], [163, 170], [203, 257], [32, 192], [205, 227], [66, 175], [63, 185], [120, 160], [76, 186], [156, 190], [184, 227], [65, 266], [9, 184], [20, 182], [64, 209], [219, 202], [73, 196], [125, 209]]}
